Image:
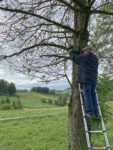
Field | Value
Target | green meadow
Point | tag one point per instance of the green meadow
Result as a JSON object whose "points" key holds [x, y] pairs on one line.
{"points": [[47, 131], [31, 99], [44, 128]]}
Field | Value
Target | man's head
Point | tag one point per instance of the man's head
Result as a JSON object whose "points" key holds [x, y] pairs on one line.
{"points": [[86, 50]]}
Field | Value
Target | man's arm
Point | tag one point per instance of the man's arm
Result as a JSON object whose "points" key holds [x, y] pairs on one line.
{"points": [[76, 57]]}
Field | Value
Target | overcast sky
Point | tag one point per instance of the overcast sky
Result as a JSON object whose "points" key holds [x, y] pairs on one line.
{"points": [[21, 81], [24, 82]]}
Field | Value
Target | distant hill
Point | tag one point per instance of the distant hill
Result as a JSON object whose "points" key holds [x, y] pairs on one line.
{"points": [[59, 85], [37, 100], [32, 99]]}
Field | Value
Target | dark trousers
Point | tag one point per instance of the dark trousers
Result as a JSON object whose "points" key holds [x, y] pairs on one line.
{"points": [[90, 99]]}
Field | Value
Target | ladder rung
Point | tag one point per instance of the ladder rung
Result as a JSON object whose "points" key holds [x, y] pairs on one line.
{"points": [[97, 148], [98, 117], [96, 131]]}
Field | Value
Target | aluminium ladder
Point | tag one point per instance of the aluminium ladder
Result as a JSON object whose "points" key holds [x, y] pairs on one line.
{"points": [[87, 131]]}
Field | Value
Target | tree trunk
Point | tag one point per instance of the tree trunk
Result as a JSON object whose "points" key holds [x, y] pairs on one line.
{"points": [[76, 134], [75, 121]]}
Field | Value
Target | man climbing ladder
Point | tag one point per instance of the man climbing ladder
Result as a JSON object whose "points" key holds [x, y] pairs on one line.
{"points": [[87, 76], [87, 79]]}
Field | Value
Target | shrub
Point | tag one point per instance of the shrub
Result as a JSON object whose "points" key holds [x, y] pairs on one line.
{"points": [[18, 96], [43, 100], [50, 101], [13, 105], [2, 101], [56, 102], [62, 100], [18, 104], [8, 100], [5, 106]]}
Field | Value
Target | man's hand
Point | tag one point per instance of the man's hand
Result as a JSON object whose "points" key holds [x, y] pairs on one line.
{"points": [[74, 50]]}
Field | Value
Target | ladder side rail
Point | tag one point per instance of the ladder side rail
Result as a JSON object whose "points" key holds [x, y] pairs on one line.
{"points": [[84, 120], [103, 125]]}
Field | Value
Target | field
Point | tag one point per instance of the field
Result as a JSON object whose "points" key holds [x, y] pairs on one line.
{"points": [[41, 129], [47, 131], [31, 99]]}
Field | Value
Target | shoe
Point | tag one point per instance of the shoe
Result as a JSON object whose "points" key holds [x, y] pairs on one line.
{"points": [[91, 115], [88, 115]]}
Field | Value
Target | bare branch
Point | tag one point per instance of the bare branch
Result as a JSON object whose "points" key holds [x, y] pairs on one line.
{"points": [[31, 47], [103, 5], [92, 2], [41, 17], [82, 6], [68, 80], [69, 5], [58, 56], [101, 12], [65, 68], [53, 31]]}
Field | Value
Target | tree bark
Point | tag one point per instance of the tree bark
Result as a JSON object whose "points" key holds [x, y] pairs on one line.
{"points": [[76, 134]]}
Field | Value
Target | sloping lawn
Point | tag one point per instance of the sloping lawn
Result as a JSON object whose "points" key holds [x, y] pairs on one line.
{"points": [[47, 131], [32, 99]]}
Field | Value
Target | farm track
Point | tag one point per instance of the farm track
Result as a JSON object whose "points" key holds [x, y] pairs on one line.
{"points": [[31, 116]]}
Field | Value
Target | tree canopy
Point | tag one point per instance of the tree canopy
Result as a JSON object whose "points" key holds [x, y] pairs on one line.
{"points": [[38, 34], [44, 90], [7, 88], [102, 40]]}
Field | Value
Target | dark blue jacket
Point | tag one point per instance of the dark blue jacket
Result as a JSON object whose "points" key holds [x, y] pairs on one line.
{"points": [[87, 67]]}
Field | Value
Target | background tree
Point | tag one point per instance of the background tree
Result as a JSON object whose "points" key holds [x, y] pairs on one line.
{"points": [[62, 99], [39, 89], [3, 87], [34, 89], [105, 88], [102, 40], [11, 89], [7, 88], [40, 33]]}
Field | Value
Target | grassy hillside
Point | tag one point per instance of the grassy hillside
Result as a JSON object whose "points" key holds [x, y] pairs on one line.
{"points": [[46, 129], [31, 99]]}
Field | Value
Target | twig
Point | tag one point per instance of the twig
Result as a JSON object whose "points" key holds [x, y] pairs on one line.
{"points": [[59, 56]]}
